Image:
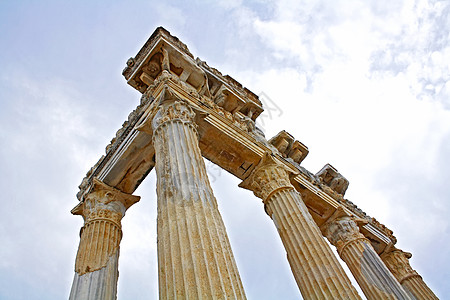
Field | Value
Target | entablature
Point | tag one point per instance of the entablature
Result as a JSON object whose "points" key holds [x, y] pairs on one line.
{"points": [[165, 52]]}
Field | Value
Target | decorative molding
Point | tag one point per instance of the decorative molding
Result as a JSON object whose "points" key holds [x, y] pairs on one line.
{"points": [[174, 111], [342, 231], [132, 63], [330, 177], [288, 147], [398, 263], [100, 197], [113, 146], [268, 177]]}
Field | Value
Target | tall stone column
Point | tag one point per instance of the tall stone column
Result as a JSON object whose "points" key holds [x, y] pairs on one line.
{"points": [[375, 280], [397, 262], [316, 270], [195, 260], [96, 266]]}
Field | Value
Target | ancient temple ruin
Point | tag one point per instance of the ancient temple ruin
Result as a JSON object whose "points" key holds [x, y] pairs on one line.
{"points": [[189, 110]]}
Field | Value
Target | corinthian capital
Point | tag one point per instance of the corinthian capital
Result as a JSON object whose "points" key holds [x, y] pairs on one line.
{"points": [[267, 177], [104, 202], [398, 263], [172, 108], [341, 231]]}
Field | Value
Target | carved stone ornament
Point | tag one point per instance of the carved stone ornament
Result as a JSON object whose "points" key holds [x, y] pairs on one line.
{"points": [[102, 210], [282, 141], [342, 231], [105, 202], [172, 109], [398, 263], [333, 179], [268, 177]]}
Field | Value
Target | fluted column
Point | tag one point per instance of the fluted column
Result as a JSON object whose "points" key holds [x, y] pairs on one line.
{"points": [[397, 262], [195, 260], [316, 270], [375, 280], [96, 266]]}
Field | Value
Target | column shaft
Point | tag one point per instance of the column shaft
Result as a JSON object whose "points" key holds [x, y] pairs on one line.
{"points": [[375, 280], [316, 270], [397, 262], [99, 246], [194, 254]]}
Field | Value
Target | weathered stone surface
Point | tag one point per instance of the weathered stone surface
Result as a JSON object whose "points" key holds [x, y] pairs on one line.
{"points": [[397, 262], [316, 270], [96, 266], [375, 280], [288, 147], [195, 260], [333, 179]]}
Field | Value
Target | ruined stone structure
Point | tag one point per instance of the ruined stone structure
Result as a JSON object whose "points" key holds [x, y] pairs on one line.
{"points": [[189, 110]]}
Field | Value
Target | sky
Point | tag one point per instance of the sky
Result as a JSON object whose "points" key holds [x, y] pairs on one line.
{"points": [[365, 85]]}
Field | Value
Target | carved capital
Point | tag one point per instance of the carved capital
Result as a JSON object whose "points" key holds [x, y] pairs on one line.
{"points": [[342, 231], [104, 202], [267, 177], [172, 109], [397, 262]]}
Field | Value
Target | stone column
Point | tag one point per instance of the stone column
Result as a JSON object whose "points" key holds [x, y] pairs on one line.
{"points": [[375, 280], [316, 269], [397, 262], [96, 266], [195, 260]]}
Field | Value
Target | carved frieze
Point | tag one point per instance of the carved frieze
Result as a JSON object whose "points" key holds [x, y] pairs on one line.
{"points": [[132, 63], [233, 86]]}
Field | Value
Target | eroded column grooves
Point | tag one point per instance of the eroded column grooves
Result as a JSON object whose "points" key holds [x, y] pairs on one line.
{"points": [[96, 266], [316, 270], [397, 261], [375, 280], [194, 254], [94, 248]]}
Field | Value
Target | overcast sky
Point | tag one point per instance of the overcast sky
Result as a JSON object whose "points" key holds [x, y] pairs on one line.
{"points": [[364, 84]]}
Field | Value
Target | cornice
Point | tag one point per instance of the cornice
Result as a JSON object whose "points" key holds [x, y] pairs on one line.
{"points": [[159, 34]]}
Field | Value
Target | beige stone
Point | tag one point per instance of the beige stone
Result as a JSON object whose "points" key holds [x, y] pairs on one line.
{"points": [[375, 280], [96, 266], [195, 260], [316, 270], [397, 262]]}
